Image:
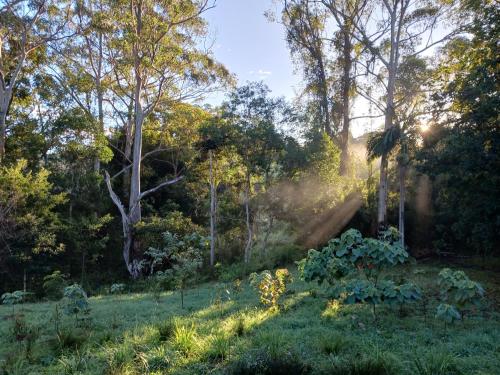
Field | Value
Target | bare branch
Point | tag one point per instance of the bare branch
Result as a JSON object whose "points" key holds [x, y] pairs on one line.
{"points": [[164, 183]]}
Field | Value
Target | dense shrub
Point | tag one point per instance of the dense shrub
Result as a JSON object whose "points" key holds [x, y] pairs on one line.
{"points": [[150, 232], [457, 293], [54, 284], [356, 267]]}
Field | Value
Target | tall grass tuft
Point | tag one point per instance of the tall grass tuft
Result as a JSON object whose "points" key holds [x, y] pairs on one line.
{"points": [[436, 363], [166, 329], [333, 344], [219, 348], [184, 339]]}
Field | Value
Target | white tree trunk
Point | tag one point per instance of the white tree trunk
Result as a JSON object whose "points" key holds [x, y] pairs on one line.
{"points": [[346, 92]]}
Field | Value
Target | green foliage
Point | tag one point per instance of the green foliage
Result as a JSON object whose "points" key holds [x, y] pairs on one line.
{"points": [[333, 344], [71, 339], [117, 288], [437, 363], [230, 272], [150, 232], [14, 298], [353, 265], [461, 153], [166, 329], [184, 339], [75, 301], [258, 339], [28, 216], [54, 284], [270, 287], [176, 264], [458, 288], [220, 345], [447, 313], [264, 363], [457, 292]]}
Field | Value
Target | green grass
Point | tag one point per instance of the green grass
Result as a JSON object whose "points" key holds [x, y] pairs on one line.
{"points": [[133, 334]]}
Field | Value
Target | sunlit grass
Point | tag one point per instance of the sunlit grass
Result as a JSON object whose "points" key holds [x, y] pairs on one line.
{"points": [[134, 334]]}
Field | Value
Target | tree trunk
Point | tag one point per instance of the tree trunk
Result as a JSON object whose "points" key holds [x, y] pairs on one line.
{"points": [[213, 198], [5, 98], [346, 92], [127, 228], [248, 246], [402, 193], [100, 95], [127, 153], [324, 99], [100, 100], [388, 123], [268, 232], [382, 194]]}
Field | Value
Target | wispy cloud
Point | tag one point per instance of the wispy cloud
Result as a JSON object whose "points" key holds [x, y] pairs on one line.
{"points": [[261, 73]]}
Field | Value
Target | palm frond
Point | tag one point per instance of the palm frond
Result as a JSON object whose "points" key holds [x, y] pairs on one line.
{"points": [[382, 142]]}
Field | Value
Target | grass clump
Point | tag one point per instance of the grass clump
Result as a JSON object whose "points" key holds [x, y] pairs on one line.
{"points": [[158, 359], [334, 344], [219, 347], [184, 338], [376, 364], [120, 360], [436, 364], [264, 363], [70, 339], [240, 327], [165, 329]]}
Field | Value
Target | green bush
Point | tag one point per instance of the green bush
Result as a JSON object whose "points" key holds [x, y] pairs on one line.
{"points": [[14, 298], [75, 301], [158, 359], [270, 287], [54, 284], [240, 327], [457, 292], [117, 288], [149, 232], [176, 263], [356, 267], [230, 272]]}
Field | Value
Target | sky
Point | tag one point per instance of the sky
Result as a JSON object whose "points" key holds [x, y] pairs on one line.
{"points": [[250, 46], [254, 48]]}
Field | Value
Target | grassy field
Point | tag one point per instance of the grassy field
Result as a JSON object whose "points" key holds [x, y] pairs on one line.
{"points": [[137, 334]]}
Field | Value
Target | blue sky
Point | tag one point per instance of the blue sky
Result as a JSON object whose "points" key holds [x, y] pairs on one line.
{"points": [[253, 48], [250, 46]]}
